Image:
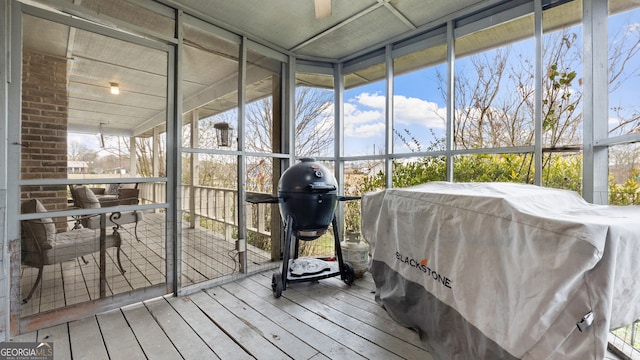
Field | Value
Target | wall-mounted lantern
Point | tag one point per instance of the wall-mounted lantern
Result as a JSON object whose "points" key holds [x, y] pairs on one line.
{"points": [[223, 133]]}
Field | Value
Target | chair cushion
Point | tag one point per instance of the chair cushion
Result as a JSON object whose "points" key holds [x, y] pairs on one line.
{"points": [[112, 189], [42, 231], [70, 245], [108, 200], [86, 198]]}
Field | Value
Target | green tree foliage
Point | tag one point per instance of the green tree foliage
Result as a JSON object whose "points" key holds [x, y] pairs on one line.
{"points": [[626, 193], [563, 172]]}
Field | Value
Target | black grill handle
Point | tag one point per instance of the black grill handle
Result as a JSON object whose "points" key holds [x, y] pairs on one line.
{"points": [[256, 198], [321, 187], [348, 198]]}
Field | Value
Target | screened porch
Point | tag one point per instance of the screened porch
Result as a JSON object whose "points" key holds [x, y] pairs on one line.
{"points": [[197, 105]]}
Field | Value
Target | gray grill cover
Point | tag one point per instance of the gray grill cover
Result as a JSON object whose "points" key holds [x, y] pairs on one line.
{"points": [[503, 270]]}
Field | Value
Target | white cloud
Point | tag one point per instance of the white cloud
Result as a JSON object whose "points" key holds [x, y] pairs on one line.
{"points": [[364, 114], [409, 110], [362, 117], [365, 131], [633, 27], [375, 101], [354, 114], [614, 121], [362, 123], [325, 126], [327, 120]]}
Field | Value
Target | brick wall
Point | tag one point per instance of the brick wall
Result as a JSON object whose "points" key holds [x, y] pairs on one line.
{"points": [[44, 127]]}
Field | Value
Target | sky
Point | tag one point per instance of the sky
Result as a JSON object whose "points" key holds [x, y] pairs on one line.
{"points": [[91, 141], [418, 106]]}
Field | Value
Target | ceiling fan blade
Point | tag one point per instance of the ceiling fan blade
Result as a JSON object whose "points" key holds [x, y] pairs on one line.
{"points": [[323, 8]]}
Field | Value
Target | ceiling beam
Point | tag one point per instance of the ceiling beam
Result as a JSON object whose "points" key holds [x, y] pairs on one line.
{"points": [[95, 129], [336, 27], [425, 27], [389, 5], [215, 91]]}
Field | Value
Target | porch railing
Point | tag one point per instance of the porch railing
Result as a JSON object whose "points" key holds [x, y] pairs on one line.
{"points": [[626, 341], [212, 203]]}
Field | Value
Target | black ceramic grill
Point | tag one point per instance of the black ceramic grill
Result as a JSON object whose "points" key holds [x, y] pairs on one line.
{"points": [[307, 198], [307, 193]]}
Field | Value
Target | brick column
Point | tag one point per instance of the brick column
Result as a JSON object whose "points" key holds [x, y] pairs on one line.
{"points": [[44, 128]]}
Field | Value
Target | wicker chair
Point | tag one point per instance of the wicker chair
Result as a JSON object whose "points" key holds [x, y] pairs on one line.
{"points": [[116, 194], [41, 245], [85, 198]]}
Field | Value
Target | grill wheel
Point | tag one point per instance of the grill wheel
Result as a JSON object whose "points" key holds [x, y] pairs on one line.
{"points": [[348, 274], [277, 286]]}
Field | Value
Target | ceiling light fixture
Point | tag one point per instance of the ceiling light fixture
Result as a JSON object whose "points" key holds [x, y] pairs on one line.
{"points": [[115, 89]]}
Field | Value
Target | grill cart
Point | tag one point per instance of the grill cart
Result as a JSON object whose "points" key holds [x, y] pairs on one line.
{"points": [[307, 198]]}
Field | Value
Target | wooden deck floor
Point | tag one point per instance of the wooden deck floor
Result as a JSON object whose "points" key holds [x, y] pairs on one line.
{"points": [[242, 320], [206, 255]]}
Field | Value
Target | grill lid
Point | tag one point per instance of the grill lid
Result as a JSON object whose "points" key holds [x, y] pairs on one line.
{"points": [[308, 194], [307, 176]]}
